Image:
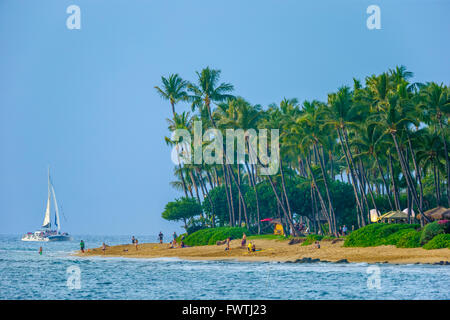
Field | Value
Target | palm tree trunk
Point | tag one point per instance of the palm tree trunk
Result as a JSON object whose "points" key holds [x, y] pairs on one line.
{"points": [[252, 182], [291, 225], [352, 167], [436, 186], [182, 180], [417, 173], [369, 188], [202, 184], [330, 156], [284, 189], [173, 108], [407, 175], [240, 194], [380, 170], [195, 186], [322, 203], [230, 191], [346, 156], [446, 160], [225, 185], [330, 204]]}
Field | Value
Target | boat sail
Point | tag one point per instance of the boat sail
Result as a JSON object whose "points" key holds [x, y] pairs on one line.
{"points": [[46, 233], [46, 223]]}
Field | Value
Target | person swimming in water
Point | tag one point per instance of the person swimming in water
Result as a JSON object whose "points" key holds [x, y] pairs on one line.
{"points": [[40, 251]]}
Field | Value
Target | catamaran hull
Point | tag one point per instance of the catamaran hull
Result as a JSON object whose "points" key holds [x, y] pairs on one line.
{"points": [[59, 238], [35, 239]]}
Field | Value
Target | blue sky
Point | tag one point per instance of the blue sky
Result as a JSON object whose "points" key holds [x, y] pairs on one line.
{"points": [[82, 101]]}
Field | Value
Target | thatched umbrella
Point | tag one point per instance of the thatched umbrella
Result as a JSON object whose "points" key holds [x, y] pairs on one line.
{"points": [[437, 213], [394, 217]]}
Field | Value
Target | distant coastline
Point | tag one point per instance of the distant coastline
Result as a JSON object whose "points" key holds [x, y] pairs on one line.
{"points": [[280, 251]]}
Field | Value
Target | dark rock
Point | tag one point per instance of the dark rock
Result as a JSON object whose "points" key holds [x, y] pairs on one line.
{"points": [[342, 261], [442, 263], [307, 260], [295, 241]]}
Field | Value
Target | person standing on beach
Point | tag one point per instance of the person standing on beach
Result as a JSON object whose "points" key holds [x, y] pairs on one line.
{"points": [[228, 244], [82, 246], [133, 240], [344, 230], [136, 243], [175, 236], [244, 240], [160, 237], [104, 248]]}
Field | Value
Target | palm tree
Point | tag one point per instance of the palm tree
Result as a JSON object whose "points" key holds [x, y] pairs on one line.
{"points": [[208, 91], [430, 152], [179, 121], [173, 89], [395, 116], [311, 125], [436, 107], [340, 114], [368, 142], [238, 113]]}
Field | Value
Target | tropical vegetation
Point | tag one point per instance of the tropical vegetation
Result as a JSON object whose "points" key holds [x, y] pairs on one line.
{"points": [[381, 143]]}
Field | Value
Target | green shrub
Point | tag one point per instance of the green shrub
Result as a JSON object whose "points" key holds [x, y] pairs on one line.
{"points": [[438, 242], [430, 231], [445, 225], [310, 239], [393, 238], [211, 235], [378, 234], [410, 239]]}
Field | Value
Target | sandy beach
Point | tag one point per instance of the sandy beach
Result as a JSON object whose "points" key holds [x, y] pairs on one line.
{"points": [[278, 250]]}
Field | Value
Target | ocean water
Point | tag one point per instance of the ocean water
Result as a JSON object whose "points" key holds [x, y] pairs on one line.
{"points": [[24, 274]]}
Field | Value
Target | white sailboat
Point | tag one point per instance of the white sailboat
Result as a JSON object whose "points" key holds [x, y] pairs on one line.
{"points": [[46, 233]]}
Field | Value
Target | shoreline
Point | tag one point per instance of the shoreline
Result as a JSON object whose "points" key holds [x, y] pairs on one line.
{"points": [[279, 251]]}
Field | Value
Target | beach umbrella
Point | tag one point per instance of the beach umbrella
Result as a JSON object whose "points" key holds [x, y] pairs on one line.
{"points": [[413, 214], [374, 215]]}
